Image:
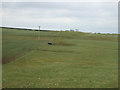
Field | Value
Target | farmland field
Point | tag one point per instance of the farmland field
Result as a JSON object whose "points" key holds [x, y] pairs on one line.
{"points": [[76, 60]]}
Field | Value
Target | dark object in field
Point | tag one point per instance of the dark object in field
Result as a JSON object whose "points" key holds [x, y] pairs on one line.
{"points": [[50, 44]]}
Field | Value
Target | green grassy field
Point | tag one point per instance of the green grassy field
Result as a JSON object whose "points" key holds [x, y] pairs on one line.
{"points": [[77, 60]]}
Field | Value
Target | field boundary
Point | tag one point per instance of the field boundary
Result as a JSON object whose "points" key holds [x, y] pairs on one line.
{"points": [[21, 57]]}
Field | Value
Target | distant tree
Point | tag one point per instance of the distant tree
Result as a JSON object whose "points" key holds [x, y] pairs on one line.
{"points": [[77, 30], [71, 30]]}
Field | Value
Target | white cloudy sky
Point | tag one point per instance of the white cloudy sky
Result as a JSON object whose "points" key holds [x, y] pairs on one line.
{"points": [[85, 16]]}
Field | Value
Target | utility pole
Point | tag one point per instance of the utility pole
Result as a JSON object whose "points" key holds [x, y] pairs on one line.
{"points": [[39, 33]]}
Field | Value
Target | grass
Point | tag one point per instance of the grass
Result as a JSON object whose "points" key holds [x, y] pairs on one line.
{"points": [[77, 60]]}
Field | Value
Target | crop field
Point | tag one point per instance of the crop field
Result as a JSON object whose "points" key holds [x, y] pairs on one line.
{"points": [[75, 60]]}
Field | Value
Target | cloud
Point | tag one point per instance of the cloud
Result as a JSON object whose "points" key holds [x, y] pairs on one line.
{"points": [[86, 16], [60, 1]]}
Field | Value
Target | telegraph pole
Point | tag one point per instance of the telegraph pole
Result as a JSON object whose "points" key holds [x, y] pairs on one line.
{"points": [[39, 33]]}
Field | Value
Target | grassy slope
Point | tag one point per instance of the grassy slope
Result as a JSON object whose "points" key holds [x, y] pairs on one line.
{"points": [[77, 60], [0, 57]]}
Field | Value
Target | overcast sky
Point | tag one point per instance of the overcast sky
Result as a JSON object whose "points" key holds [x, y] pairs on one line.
{"points": [[85, 16]]}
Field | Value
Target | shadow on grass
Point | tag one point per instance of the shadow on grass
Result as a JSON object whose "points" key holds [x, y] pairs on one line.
{"points": [[63, 43]]}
